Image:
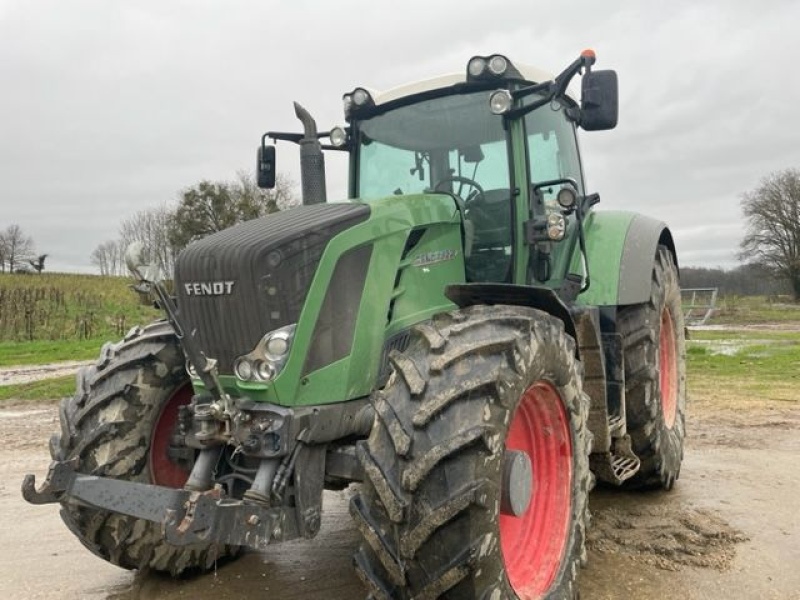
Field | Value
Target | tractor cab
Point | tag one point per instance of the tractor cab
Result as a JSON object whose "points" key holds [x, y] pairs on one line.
{"points": [[500, 139]]}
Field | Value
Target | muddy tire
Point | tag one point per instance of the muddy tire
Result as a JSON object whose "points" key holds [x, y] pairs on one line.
{"points": [[654, 346], [472, 386], [118, 425]]}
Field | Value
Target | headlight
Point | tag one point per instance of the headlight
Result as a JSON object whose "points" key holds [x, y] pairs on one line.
{"points": [[567, 197], [498, 64], [264, 371], [494, 66], [338, 137], [500, 102], [356, 100], [476, 66], [556, 226], [243, 369], [360, 97], [276, 347], [268, 358]]}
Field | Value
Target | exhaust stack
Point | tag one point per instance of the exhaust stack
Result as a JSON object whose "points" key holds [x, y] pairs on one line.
{"points": [[312, 161]]}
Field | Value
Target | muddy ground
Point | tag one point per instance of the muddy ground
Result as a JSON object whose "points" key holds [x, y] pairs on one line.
{"points": [[730, 529]]}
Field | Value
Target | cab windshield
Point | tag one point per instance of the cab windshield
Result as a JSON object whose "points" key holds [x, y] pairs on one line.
{"points": [[449, 144], [422, 147]]}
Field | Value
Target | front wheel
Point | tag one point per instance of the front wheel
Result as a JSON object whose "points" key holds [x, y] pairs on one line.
{"points": [[477, 472], [119, 424]]}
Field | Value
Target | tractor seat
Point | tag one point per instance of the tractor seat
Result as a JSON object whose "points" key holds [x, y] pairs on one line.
{"points": [[488, 226], [490, 215]]}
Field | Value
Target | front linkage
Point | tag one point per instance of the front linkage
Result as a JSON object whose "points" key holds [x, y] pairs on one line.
{"points": [[295, 440], [285, 449]]}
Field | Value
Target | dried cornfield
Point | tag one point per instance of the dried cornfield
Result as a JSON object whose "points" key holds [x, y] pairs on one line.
{"points": [[67, 307]]}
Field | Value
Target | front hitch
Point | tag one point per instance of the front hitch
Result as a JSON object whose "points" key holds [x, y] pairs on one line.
{"points": [[186, 517], [59, 476]]}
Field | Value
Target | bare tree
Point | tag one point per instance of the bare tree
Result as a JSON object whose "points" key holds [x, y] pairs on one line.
{"points": [[18, 248], [772, 238], [151, 227], [108, 258], [3, 253]]}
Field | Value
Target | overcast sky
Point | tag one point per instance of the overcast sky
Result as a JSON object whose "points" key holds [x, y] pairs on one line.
{"points": [[108, 107]]}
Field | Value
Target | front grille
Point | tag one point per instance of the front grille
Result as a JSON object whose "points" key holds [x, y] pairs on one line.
{"points": [[271, 262]]}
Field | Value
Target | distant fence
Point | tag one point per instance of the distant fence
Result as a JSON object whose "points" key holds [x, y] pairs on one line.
{"points": [[699, 305]]}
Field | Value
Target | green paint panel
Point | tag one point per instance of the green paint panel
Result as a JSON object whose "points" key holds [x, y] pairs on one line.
{"points": [[435, 261], [522, 201], [605, 233]]}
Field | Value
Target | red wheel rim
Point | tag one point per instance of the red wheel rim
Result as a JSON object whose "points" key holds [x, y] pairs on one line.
{"points": [[668, 370], [163, 470], [533, 544]]}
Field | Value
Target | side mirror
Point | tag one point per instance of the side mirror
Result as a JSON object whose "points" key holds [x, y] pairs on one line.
{"points": [[599, 100], [265, 167]]}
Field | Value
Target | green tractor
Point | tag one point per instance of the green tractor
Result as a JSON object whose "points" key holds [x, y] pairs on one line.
{"points": [[466, 336]]}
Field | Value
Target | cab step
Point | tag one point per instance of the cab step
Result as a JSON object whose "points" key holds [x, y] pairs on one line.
{"points": [[618, 465]]}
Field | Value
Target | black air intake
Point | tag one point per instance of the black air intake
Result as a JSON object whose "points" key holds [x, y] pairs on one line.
{"points": [[236, 285]]}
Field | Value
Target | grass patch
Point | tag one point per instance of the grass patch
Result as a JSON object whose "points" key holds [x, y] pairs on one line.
{"points": [[778, 361], [745, 335], [40, 352], [744, 368], [43, 390]]}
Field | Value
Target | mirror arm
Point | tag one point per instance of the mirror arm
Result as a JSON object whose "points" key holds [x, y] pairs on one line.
{"points": [[584, 61], [552, 89], [282, 136], [524, 110]]}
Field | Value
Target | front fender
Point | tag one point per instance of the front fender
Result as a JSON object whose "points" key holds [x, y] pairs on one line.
{"points": [[621, 247]]}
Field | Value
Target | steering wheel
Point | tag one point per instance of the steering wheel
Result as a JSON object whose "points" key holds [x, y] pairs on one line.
{"points": [[477, 190]]}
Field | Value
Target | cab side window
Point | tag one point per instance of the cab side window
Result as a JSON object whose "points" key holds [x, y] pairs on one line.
{"points": [[552, 149]]}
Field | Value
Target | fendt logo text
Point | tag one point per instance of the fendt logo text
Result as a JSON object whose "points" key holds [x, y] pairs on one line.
{"points": [[209, 288]]}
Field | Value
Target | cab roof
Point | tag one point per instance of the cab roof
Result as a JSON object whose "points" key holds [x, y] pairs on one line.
{"points": [[529, 74]]}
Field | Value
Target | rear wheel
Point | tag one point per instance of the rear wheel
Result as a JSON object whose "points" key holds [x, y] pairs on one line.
{"points": [[477, 473], [655, 377], [119, 424]]}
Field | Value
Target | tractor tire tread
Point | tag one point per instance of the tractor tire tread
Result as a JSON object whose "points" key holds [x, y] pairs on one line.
{"points": [[413, 505], [659, 448], [107, 425]]}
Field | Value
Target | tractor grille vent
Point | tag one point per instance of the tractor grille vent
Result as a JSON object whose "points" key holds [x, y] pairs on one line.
{"points": [[236, 285], [399, 341]]}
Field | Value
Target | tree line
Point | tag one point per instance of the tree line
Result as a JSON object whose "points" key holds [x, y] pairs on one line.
{"points": [[744, 280], [202, 209]]}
